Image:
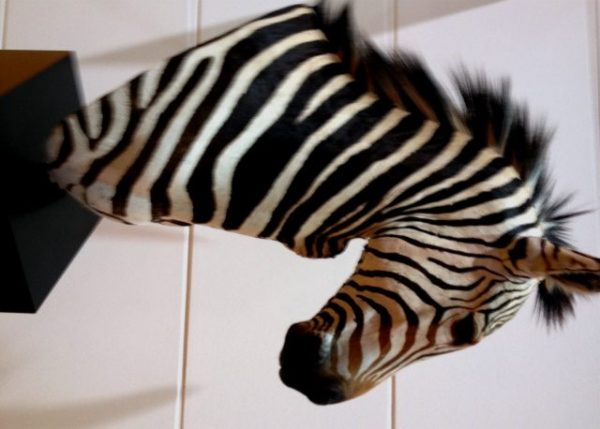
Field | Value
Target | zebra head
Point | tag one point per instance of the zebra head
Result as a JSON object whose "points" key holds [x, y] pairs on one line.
{"points": [[455, 243], [415, 295]]}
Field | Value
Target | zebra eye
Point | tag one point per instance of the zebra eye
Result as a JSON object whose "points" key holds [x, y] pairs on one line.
{"points": [[464, 331]]}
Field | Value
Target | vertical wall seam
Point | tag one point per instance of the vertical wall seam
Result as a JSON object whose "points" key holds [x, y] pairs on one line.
{"points": [[594, 23], [185, 327], [193, 39], [198, 21], [594, 35], [395, 29], [4, 21], [194, 19]]}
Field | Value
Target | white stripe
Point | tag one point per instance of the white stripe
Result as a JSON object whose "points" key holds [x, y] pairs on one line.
{"points": [[480, 161], [485, 232], [261, 214], [177, 191], [330, 88], [440, 161], [113, 173], [97, 193], [93, 118], [148, 85], [139, 203], [374, 171], [81, 158], [516, 199], [388, 122], [270, 113]]}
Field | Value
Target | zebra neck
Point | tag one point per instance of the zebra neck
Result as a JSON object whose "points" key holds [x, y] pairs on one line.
{"points": [[263, 132]]}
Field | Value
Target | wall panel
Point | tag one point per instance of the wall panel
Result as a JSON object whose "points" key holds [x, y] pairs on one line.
{"points": [[2, 21], [104, 349]]}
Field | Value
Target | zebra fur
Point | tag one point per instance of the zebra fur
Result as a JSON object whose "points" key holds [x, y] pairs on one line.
{"points": [[294, 128], [487, 111]]}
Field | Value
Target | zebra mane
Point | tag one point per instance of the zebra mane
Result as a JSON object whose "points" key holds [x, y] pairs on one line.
{"points": [[486, 110]]}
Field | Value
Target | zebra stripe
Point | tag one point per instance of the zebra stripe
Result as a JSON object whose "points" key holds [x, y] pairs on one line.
{"points": [[284, 129]]}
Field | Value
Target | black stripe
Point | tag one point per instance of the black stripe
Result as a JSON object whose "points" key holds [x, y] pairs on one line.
{"points": [[100, 163], [357, 312], [424, 245], [271, 152], [199, 187], [264, 85], [454, 167], [502, 306], [301, 132], [486, 220], [279, 155], [341, 322], [405, 281], [481, 198], [355, 354], [503, 241], [462, 270], [125, 185], [505, 290], [325, 153], [518, 252], [135, 116], [492, 284], [451, 169], [82, 122], [106, 118], [401, 259], [489, 170], [382, 312], [167, 75], [370, 196], [327, 319], [411, 317], [134, 91], [234, 60], [385, 328]]}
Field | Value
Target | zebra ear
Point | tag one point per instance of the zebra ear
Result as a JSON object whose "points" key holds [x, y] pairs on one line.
{"points": [[559, 266]]}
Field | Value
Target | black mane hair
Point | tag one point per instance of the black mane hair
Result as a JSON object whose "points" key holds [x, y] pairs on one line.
{"points": [[485, 110]]}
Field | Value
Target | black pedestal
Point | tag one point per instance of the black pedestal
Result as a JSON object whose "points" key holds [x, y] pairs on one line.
{"points": [[41, 228]]}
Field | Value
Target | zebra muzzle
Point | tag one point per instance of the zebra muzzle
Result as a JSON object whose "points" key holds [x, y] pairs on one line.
{"points": [[302, 359]]}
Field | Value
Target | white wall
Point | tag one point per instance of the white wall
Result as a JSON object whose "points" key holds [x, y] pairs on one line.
{"points": [[104, 351], [155, 327]]}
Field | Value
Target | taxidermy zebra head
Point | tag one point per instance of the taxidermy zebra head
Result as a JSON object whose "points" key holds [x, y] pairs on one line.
{"points": [[292, 128]]}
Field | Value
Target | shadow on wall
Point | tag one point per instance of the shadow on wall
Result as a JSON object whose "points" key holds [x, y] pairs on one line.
{"points": [[87, 415], [412, 12], [409, 12]]}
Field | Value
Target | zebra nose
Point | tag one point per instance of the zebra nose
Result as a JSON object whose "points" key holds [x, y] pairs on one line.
{"points": [[301, 360]]}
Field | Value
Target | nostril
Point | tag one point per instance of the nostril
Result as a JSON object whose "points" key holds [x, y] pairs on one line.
{"points": [[302, 359], [318, 389], [301, 350]]}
